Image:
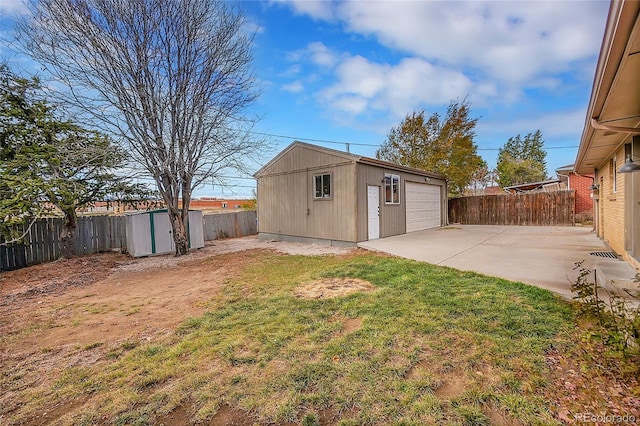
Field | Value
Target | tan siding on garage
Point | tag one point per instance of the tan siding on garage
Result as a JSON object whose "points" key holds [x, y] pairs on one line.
{"points": [[285, 192], [301, 157], [392, 216]]}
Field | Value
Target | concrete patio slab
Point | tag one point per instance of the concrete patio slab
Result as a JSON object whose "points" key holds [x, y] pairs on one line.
{"points": [[543, 256]]}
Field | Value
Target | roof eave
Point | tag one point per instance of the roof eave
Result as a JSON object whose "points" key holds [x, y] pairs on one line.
{"points": [[312, 147], [619, 27], [397, 167]]}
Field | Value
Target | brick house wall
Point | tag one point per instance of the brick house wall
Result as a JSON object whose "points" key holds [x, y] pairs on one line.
{"points": [[217, 204], [611, 203], [582, 184]]}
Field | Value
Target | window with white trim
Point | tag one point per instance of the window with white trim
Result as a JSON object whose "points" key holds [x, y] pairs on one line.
{"points": [[391, 189], [322, 186], [614, 175]]}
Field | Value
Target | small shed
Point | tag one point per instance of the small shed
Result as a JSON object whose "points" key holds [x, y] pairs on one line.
{"points": [[317, 194], [150, 232]]}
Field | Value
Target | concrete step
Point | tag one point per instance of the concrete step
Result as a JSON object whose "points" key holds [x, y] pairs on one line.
{"points": [[618, 277]]}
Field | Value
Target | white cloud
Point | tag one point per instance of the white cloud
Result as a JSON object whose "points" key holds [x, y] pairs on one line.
{"points": [[321, 55], [556, 124], [514, 42], [362, 85], [253, 27], [13, 8], [511, 41], [318, 9], [294, 87], [349, 103], [317, 53], [494, 52], [292, 71]]}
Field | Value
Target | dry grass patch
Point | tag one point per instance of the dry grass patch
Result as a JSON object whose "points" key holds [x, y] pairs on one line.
{"points": [[328, 288]]}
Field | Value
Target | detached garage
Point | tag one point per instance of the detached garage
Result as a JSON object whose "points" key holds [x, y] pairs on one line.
{"points": [[317, 194]]}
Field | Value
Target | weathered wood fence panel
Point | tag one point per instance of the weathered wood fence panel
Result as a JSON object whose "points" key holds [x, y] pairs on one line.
{"points": [[103, 233], [229, 225], [97, 234], [40, 244], [539, 208]]}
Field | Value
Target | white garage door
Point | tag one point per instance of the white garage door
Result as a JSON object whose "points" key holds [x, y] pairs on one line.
{"points": [[423, 206]]}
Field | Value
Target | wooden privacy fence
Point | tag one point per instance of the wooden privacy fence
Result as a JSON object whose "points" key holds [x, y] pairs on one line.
{"points": [[229, 225], [539, 208], [104, 233], [42, 241]]}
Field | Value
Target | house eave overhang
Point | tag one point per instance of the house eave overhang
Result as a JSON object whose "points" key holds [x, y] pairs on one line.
{"points": [[613, 114]]}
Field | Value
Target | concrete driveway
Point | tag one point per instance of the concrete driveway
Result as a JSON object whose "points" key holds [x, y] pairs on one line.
{"points": [[543, 256]]}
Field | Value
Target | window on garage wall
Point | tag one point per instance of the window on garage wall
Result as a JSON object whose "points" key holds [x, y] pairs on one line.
{"points": [[322, 186], [391, 189]]}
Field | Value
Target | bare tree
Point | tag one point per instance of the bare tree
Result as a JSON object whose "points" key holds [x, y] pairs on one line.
{"points": [[172, 78]]}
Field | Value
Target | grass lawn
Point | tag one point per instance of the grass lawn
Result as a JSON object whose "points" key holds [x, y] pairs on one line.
{"points": [[424, 345]]}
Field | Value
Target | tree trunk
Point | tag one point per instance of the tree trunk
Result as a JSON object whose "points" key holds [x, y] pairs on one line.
{"points": [[186, 202], [68, 234], [180, 237]]}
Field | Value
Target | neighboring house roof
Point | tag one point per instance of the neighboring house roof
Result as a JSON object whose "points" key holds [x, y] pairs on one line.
{"points": [[493, 190], [613, 115], [531, 186], [563, 172], [348, 156], [565, 169]]}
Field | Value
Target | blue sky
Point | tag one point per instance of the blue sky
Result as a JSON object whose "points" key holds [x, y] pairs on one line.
{"points": [[348, 71]]}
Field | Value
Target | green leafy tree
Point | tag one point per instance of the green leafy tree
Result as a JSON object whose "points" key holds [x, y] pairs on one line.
{"points": [[522, 160], [46, 162], [441, 145]]}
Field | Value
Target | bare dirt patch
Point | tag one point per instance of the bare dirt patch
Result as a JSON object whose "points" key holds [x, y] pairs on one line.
{"points": [[110, 297], [451, 386], [47, 278], [349, 325], [226, 416], [448, 384], [332, 287], [498, 418]]}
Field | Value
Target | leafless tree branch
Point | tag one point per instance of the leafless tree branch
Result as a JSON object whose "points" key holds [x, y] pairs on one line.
{"points": [[171, 78]]}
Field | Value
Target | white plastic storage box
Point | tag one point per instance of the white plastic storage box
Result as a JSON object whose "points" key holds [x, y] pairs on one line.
{"points": [[150, 232]]}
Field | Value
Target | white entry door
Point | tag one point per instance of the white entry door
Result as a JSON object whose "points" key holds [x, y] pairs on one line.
{"points": [[373, 208]]}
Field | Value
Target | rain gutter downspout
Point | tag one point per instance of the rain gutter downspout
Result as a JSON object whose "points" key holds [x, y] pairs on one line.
{"points": [[568, 179]]}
